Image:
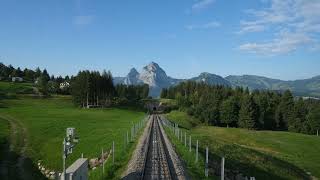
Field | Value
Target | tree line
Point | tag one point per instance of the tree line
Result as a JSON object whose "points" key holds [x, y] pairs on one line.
{"points": [[88, 88], [46, 84], [238, 107], [92, 89]]}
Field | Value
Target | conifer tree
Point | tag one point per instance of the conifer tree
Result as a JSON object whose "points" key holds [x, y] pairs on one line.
{"points": [[247, 113], [229, 112], [286, 108]]}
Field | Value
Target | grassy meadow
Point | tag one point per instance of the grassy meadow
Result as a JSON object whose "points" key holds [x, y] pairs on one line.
{"points": [[45, 121], [15, 88], [262, 154]]}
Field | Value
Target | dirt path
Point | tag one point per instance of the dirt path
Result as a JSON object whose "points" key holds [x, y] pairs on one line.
{"points": [[13, 163]]}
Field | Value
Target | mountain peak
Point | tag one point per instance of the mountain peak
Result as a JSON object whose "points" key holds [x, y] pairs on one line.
{"points": [[133, 71], [154, 75], [132, 77], [205, 74], [152, 66]]}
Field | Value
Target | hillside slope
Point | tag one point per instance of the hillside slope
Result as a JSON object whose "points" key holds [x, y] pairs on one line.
{"points": [[263, 154], [304, 87]]}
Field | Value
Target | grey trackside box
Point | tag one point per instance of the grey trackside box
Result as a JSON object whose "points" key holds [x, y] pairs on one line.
{"points": [[78, 170]]}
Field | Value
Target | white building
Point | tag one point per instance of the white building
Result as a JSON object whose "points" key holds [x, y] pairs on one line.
{"points": [[17, 79], [64, 85]]}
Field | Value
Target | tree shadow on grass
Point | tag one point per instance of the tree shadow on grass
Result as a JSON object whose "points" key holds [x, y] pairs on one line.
{"points": [[6, 97], [251, 163], [9, 169]]}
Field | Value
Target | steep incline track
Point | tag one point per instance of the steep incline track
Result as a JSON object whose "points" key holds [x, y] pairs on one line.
{"points": [[154, 157], [157, 166]]}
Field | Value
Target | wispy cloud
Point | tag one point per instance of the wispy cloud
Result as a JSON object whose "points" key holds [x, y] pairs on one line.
{"points": [[284, 43], [209, 25], [294, 22], [83, 20], [202, 4], [250, 27]]}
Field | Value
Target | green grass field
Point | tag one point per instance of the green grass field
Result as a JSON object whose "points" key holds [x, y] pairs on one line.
{"points": [[180, 118], [16, 88], [45, 121], [195, 169], [263, 154]]}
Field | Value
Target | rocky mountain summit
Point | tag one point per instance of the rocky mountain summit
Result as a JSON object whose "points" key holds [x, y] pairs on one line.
{"points": [[153, 75], [157, 79], [132, 78]]}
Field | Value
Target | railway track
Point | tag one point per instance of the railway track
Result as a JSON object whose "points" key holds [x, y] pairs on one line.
{"points": [[154, 157], [157, 165]]}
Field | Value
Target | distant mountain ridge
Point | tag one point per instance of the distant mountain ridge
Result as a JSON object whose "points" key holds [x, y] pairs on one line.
{"points": [[211, 79], [156, 78]]}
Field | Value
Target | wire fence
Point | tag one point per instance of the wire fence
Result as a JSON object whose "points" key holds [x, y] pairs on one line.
{"points": [[116, 154], [192, 146]]}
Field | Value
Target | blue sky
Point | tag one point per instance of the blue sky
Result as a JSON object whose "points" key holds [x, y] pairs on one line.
{"points": [[274, 38]]}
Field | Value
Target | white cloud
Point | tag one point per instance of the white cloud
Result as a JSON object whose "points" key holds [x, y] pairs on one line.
{"points": [[209, 25], [202, 4], [300, 19], [284, 43], [83, 20], [251, 27]]}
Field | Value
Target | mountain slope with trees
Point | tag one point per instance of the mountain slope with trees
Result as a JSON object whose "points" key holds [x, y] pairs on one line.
{"points": [[304, 87], [238, 107]]}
